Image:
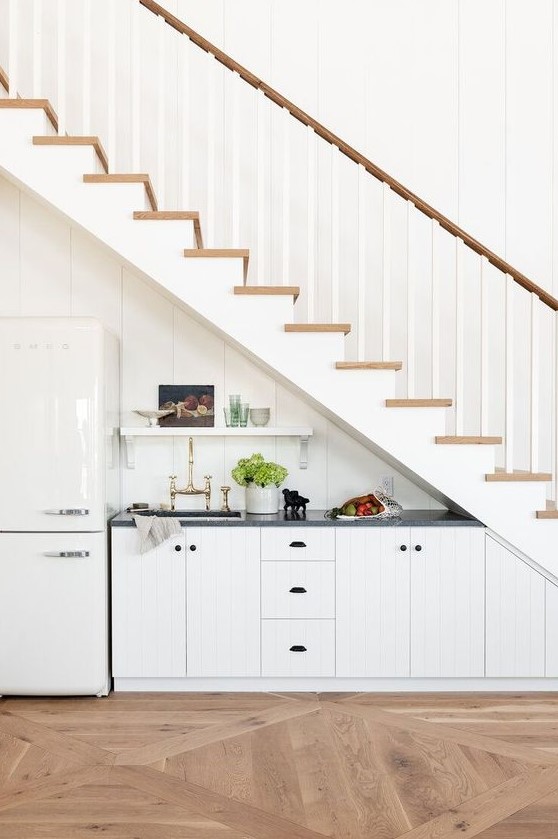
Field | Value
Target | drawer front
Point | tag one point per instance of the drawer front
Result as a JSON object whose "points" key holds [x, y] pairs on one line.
{"points": [[298, 589], [298, 648], [299, 543]]}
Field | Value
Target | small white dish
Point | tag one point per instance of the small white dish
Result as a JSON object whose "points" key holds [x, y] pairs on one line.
{"points": [[153, 417], [259, 416]]}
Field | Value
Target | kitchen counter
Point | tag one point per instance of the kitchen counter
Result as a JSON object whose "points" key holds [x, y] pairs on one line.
{"points": [[315, 518]]}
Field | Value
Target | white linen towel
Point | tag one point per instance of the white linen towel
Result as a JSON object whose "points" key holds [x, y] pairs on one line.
{"points": [[153, 530]]}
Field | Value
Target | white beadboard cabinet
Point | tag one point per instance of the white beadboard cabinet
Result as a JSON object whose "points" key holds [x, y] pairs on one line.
{"points": [[515, 615], [447, 601], [223, 601], [373, 601], [551, 640], [148, 607]]}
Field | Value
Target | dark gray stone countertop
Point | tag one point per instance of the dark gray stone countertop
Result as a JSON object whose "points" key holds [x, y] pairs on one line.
{"points": [[315, 518]]}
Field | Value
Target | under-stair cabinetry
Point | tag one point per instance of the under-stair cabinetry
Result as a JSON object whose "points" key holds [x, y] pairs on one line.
{"points": [[223, 596], [148, 607], [410, 602]]}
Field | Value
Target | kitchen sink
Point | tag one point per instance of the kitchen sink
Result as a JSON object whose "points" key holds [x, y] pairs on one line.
{"points": [[191, 514]]}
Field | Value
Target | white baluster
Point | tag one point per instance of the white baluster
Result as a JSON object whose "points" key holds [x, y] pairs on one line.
{"points": [[184, 122], [435, 310], [335, 233], [286, 198], [235, 81], [86, 33], [386, 274], [61, 66], [555, 347], [37, 49], [162, 99], [111, 87], [311, 203], [135, 73], [459, 329], [410, 305], [509, 347], [261, 213], [13, 48], [484, 332], [361, 314], [535, 383]]}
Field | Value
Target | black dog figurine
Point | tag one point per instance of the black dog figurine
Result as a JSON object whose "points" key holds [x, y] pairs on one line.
{"points": [[294, 501]]}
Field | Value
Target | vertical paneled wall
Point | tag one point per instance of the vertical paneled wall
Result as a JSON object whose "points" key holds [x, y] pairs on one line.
{"points": [[453, 97], [49, 268]]}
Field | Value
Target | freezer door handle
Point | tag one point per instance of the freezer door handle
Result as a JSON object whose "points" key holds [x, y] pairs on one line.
{"points": [[69, 511], [68, 554]]}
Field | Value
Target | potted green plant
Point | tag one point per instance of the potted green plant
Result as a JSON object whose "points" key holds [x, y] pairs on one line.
{"points": [[261, 479]]}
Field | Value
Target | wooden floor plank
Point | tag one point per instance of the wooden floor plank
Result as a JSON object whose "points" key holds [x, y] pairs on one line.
{"points": [[250, 821], [479, 813], [466, 738], [52, 741], [187, 742]]}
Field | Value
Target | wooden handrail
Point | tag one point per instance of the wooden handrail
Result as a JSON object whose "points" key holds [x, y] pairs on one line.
{"points": [[351, 153]]}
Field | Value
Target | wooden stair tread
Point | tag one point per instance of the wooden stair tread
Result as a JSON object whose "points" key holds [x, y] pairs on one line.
{"points": [[368, 365], [419, 403], [39, 104], [75, 141], [4, 80], [173, 215], [289, 290], [223, 253], [550, 513], [125, 179], [318, 327], [469, 441], [517, 475]]}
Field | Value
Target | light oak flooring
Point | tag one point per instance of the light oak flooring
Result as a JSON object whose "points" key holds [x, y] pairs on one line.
{"points": [[280, 766]]}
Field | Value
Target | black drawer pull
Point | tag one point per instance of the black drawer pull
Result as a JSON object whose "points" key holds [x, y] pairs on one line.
{"points": [[297, 590], [178, 547], [418, 547], [403, 548], [297, 545], [297, 648], [192, 547]]}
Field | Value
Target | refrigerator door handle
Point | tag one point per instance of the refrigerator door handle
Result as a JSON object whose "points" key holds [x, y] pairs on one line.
{"points": [[69, 511], [68, 554]]}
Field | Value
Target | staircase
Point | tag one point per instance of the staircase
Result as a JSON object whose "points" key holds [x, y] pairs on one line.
{"points": [[475, 470]]}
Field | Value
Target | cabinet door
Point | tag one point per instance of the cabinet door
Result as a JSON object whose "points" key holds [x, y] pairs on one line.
{"points": [[515, 607], [447, 601], [372, 576], [223, 585], [148, 606]]}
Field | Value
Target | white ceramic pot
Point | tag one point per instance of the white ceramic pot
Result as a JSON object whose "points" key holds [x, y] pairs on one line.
{"points": [[262, 500]]}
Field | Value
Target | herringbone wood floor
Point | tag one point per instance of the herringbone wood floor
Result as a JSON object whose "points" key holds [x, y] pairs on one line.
{"points": [[280, 766]]}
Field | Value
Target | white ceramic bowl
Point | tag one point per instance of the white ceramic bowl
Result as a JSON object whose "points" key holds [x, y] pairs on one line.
{"points": [[153, 417], [259, 416]]}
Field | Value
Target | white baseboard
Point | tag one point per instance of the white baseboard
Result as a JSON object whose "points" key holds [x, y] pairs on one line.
{"points": [[480, 685]]}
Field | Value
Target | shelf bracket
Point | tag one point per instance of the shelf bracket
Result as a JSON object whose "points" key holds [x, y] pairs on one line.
{"points": [[130, 447], [304, 452]]}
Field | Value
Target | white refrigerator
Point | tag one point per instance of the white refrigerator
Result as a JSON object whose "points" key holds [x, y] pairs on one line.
{"points": [[59, 485]]}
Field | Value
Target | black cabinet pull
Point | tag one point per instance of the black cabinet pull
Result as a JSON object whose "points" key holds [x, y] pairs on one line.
{"points": [[403, 547], [297, 648], [297, 590], [418, 547], [297, 545], [178, 547], [192, 547]]}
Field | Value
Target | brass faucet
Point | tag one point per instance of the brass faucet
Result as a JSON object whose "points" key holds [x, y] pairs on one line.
{"points": [[190, 488]]}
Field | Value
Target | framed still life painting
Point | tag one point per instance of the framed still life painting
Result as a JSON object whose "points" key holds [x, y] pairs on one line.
{"points": [[190, 405]]}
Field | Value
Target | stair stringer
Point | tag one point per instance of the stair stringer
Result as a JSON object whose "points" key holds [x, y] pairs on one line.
{"points": [[256, 325]]}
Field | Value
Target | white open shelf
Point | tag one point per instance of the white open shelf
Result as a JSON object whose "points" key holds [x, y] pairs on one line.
{"points": [[129, 433]]}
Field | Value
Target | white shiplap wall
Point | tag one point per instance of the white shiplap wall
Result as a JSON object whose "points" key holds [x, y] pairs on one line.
{"points": [[455, 98], [49, 268]]}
